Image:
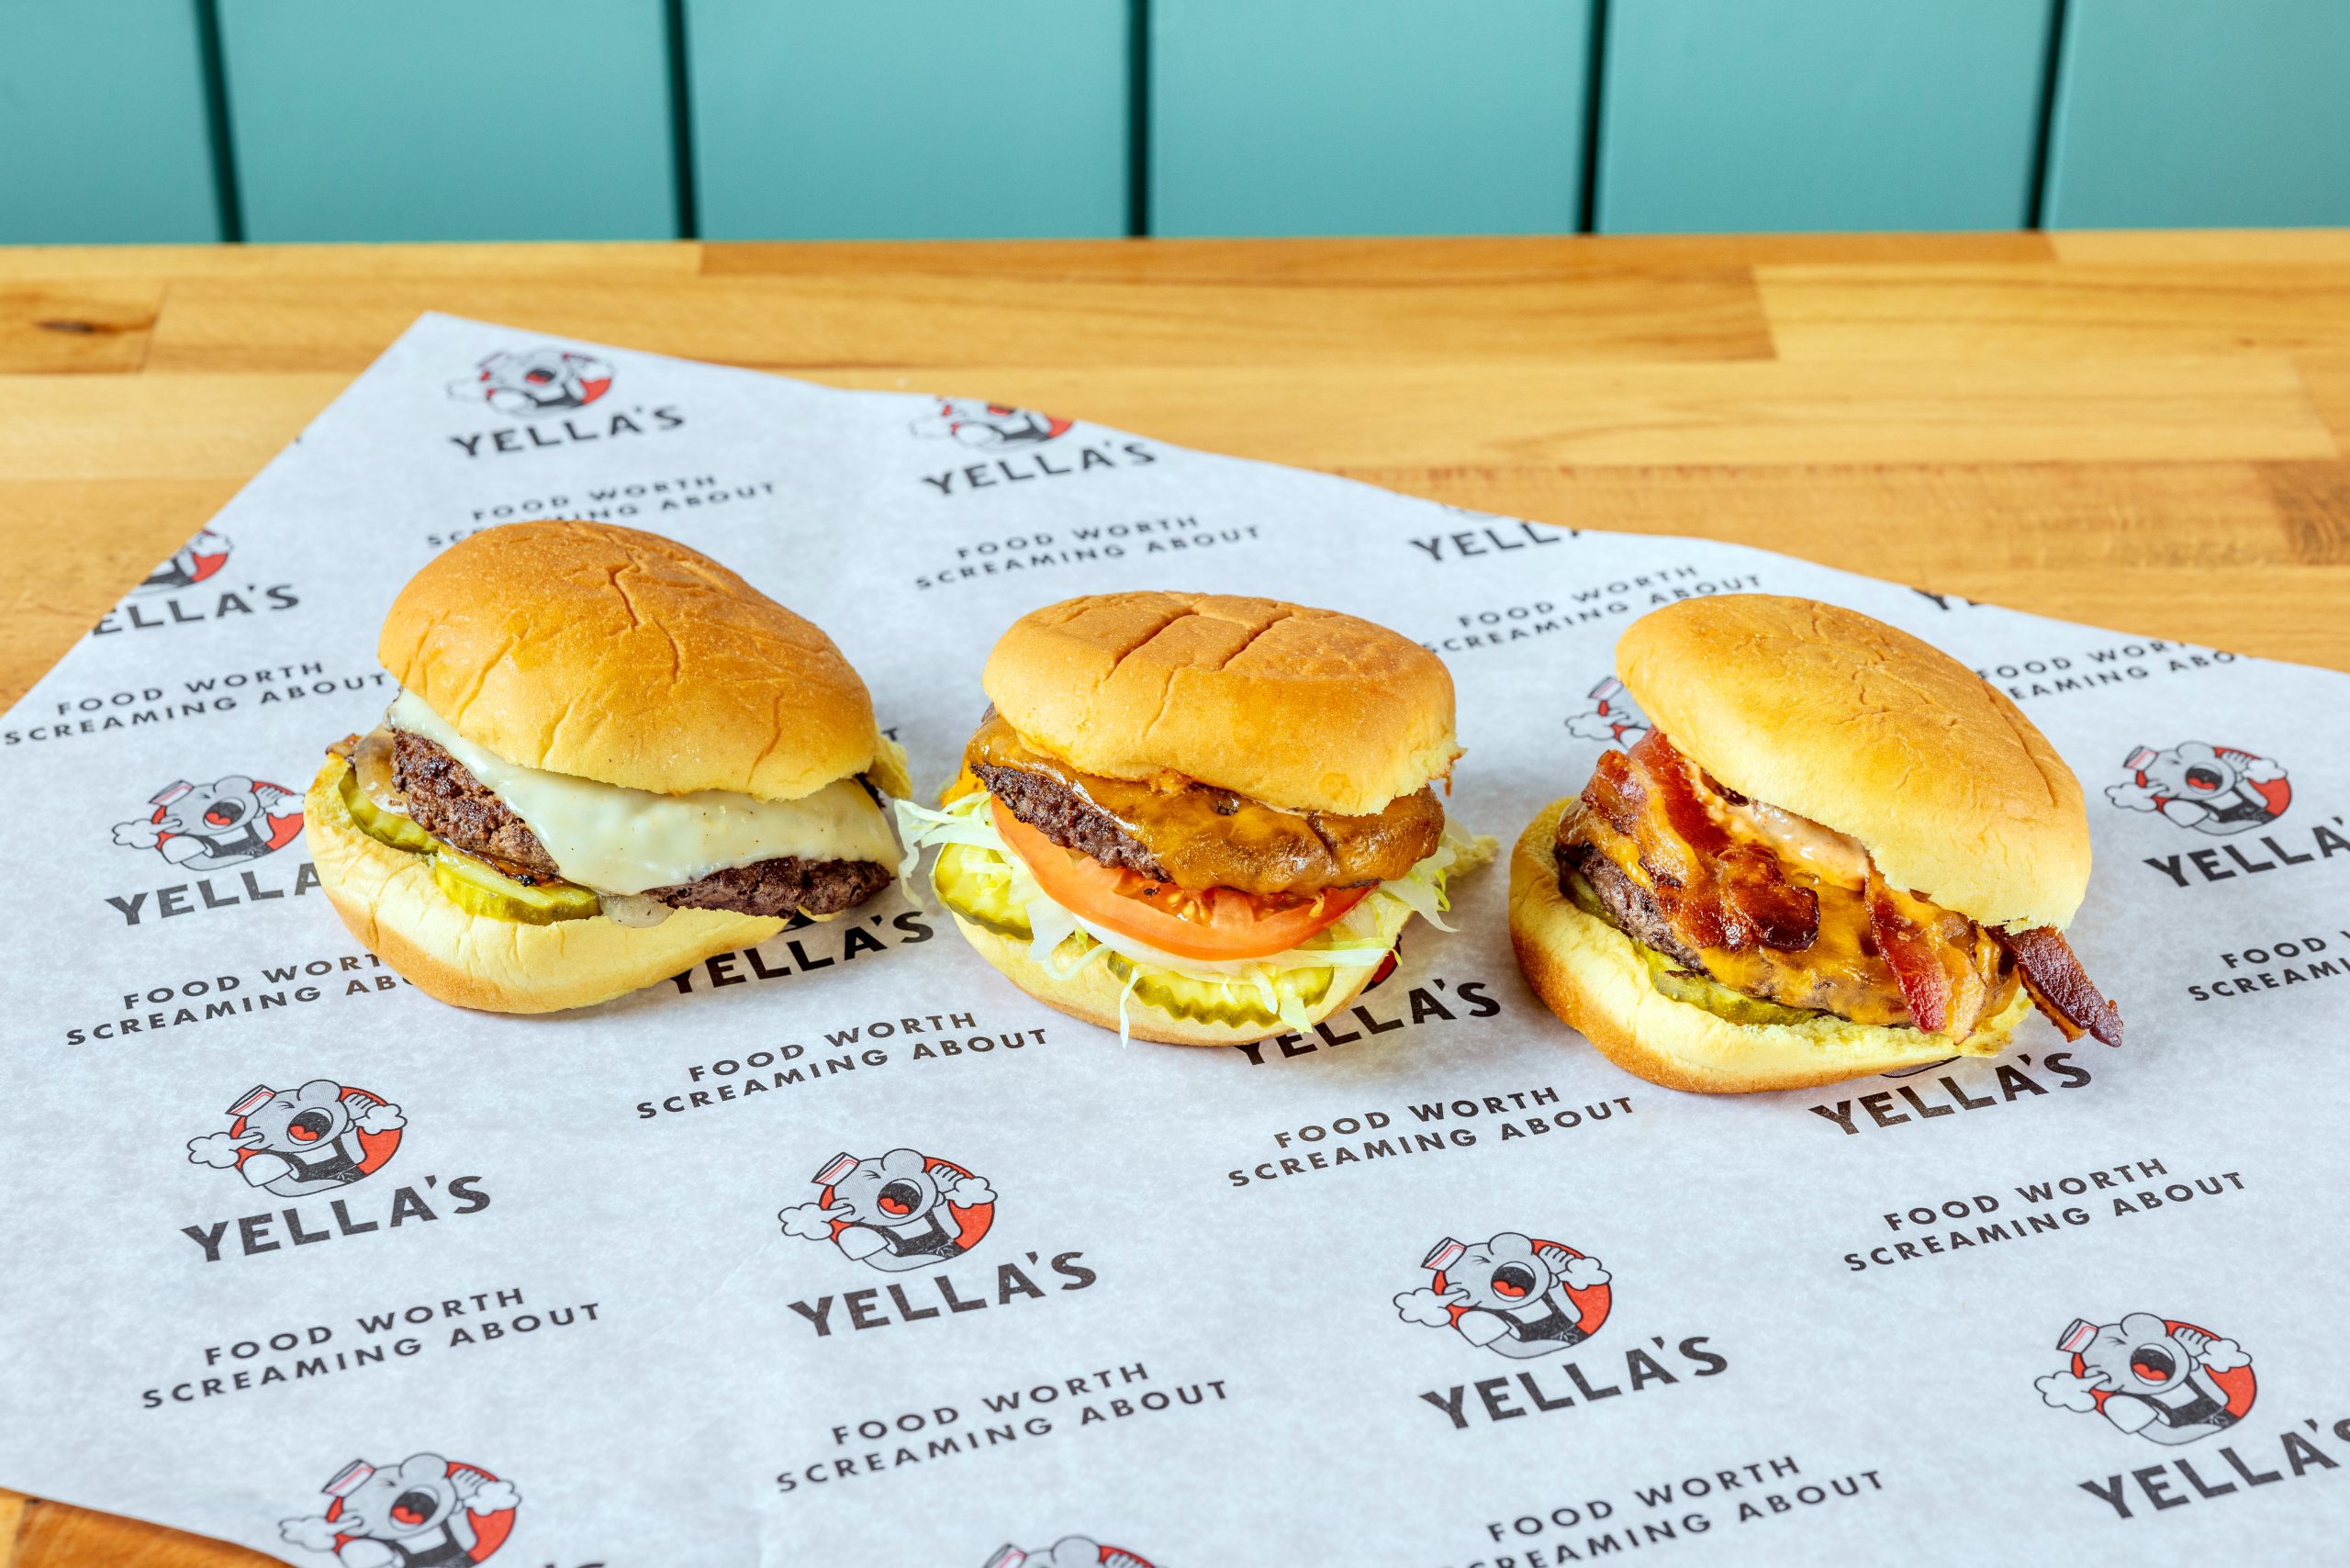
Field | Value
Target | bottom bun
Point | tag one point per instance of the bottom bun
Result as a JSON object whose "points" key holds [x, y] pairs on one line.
{"points": [[1092, 994], [389, 901], [1593, 978]]}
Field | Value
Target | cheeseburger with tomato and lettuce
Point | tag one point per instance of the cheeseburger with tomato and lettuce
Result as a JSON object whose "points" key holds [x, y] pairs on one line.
{"points": [[1195, 818], [1837, 852], [610, 758]]}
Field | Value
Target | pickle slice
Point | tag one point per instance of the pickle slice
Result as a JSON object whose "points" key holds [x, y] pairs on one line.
{"points": [[1235, 1002], [383, 826], [1697, 990], [476, 888], [977, 884], [1704, 990]]}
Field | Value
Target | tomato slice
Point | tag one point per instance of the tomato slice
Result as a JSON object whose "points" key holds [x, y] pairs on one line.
{"points": [[1222, 923]]}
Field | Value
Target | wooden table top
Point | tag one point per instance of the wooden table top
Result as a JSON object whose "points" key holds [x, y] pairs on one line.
{"points": [[2147, 431]]}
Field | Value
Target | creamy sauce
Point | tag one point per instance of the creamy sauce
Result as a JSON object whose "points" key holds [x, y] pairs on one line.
{"points": [[1799, 840], [619, 840]]}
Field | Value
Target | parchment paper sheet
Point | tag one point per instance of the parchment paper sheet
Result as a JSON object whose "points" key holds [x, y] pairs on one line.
{"points": [[1831, 1320]]}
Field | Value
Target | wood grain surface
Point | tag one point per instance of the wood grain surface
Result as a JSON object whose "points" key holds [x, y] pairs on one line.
{"points": [[2145, 431]]}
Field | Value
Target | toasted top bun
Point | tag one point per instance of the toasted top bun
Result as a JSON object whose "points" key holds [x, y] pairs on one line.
{"points": [[1307, 709], [1825, 712], [622, 657]]}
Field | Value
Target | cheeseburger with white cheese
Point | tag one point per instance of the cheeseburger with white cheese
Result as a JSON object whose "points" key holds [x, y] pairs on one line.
{"points": [[1196, 818], [1837, 852], [610, 758]]}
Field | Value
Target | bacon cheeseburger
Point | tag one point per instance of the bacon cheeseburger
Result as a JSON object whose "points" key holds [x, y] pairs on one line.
{"points": [[1839, 852], [610, 758], [1198, 819]]}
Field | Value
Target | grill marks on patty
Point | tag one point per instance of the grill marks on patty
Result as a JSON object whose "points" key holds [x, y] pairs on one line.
{"points": [[445, 800]]}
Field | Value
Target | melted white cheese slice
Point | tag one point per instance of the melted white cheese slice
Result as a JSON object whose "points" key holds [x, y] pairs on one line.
{"points": [[618, 840]]}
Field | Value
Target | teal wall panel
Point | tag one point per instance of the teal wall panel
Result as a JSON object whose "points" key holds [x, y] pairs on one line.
{"points": [[105, 135], [1367, 116], [911, 119], [2198, 112], [452, 119], [1736, 115]]}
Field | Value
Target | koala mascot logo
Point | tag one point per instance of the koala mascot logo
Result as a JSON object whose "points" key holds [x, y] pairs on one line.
{"points": [[1613, 719], [197, 559], [1069, 1551], [425, 1512], [975, 423], [311, 1139], [2170, 1382], [210, 827], [535, 382], [902, 1211], [1516, 1297], [2210, 788]]}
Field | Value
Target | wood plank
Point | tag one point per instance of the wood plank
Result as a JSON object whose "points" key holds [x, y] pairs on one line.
{"points": [[930, 319], [1439, 259], [165, 427], [2186, 247], [1863, 411], [2312, 500], [2328, 378], [2059, 310], [2020, 518], [2274, 615], [552, 258], [2254, 587], [119, 529], [56, 1536], [66, 324]]}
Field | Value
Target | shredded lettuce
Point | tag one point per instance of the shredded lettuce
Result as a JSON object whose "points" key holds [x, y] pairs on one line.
{"points": [[1063, 942]]}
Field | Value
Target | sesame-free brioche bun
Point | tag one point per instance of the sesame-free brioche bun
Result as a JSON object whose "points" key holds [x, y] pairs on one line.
{"points": [[1306, 709], [624, 657], [1593, 978], [390, 902], [1862, 727], [1092, 995]]}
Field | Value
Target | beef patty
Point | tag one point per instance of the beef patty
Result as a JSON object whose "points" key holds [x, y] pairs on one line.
{"points": [[1625, 906], [446, 800], [1196, 835], [1069, 818]]}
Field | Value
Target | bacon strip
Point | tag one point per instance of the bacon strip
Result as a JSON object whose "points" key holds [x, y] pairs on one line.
{"points": [[1730, 893], [1615, 794], [2059, 986], [1934, 954], [1911, 953]]}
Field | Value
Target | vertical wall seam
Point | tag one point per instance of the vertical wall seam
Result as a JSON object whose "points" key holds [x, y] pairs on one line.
{"points": [[1587, 209], [225, 194], [2045, 138], [1139, 118], [681, 121]]}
